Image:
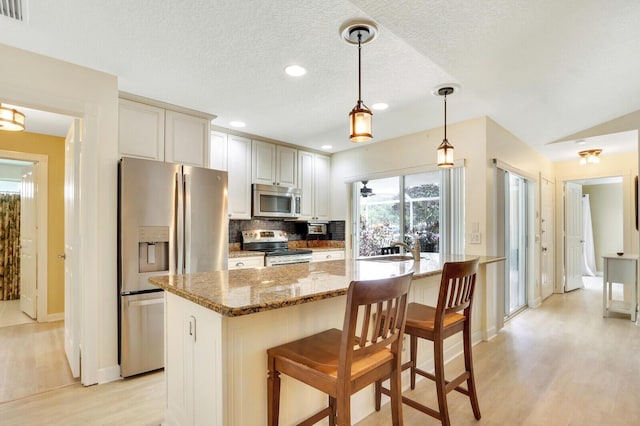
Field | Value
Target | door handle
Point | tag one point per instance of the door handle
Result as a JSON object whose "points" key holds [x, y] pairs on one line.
{"points": [[62, 256]]}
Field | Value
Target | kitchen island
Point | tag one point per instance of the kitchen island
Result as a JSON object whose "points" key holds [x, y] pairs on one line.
{"points": [[219, 324]]}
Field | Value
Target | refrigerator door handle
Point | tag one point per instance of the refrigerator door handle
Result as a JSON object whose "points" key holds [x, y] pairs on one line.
{"points": [[187, 223], [179, 215]]}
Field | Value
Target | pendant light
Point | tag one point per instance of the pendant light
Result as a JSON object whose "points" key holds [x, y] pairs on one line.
{"points": [[445, 150], [360, 115], [11, 119]]}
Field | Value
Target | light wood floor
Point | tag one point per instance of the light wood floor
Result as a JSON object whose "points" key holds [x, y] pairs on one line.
{"points": [[10, 314], [32, 360], [560, 364]]}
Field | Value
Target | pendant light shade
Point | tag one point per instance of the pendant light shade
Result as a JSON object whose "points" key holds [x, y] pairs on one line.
{"points": [[360, 123], [445, 150], [360, 115], [11, 119]]}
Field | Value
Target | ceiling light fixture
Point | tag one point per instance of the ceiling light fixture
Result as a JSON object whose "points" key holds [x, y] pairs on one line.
{"points": [[295, 70], [445, 150], [326, 146], [590, 156], [237, 123], [11, 119], [360, 115]]}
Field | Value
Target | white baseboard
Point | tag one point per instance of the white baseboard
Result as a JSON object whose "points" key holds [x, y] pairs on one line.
{"points": [[55, 317], [109, 374], [535, 303]]}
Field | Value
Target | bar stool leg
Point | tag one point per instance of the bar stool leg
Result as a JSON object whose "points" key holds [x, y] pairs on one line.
{"points": [[332, 416], [468, 364], [378, 388], [273, 393], [414, 359], [438, 346]]}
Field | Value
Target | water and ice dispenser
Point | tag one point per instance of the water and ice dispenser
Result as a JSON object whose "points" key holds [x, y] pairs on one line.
{"points": [[153, 249]]}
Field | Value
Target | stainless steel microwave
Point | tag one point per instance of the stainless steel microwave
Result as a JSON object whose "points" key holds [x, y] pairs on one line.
{"points": [[276, 201]]}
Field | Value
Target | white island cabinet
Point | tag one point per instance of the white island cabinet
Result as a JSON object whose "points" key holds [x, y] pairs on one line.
{"points": [[220, 324]]}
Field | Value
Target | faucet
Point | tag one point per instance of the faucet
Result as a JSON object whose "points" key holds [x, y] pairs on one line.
{"points": [[415, 251]]}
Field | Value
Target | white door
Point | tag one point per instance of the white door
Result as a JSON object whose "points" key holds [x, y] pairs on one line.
{"points": [[28, 283], [573, 236], [546, 239], [72, 290]]}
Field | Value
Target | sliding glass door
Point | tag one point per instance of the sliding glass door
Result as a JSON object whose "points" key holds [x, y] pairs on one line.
{"points": [[515, 243]]}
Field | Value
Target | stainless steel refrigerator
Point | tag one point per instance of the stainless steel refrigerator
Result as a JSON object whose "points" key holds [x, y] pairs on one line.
{"points": [[172, 219]]}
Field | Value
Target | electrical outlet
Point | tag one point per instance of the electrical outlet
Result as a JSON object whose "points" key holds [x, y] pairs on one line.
{"points": [[475, 238]]}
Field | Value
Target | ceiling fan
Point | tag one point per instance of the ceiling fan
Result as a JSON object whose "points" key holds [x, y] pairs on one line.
{"points": [[364, 191]]}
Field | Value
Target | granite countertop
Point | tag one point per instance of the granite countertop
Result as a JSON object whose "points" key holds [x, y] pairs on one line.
{"points": [[245, 291], [244, 253]]}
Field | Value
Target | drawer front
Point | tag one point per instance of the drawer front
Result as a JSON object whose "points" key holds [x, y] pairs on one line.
{"points": [[245, 262], [321, 256]]}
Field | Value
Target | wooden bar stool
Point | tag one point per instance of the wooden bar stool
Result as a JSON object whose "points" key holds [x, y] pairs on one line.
{"points": [[341, 363], [436, 324]]}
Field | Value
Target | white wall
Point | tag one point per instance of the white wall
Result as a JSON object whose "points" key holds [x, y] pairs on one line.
{"points": [[607, 218], [43, 83]]}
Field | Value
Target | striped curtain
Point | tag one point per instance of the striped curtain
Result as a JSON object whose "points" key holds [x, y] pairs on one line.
{"points": [[9, 246]]}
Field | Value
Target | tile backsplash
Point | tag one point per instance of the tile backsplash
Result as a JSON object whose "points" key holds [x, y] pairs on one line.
{"points": [[297, 230]]}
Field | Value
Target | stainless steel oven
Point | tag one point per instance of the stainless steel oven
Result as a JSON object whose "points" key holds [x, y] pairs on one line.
{"points": [[274, 243], [276, 201]]}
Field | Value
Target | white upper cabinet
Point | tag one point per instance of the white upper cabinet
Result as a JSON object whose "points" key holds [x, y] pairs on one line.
{"points": [[313, 179], [186, 138], [156, 133], [218, 151], [140, 130], [239, 170], [274, 164]]}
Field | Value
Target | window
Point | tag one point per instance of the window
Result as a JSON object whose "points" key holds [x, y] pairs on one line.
{"points": [[427, 205]]}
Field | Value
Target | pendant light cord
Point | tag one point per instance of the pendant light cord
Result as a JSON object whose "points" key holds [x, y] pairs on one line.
{"points": [[359, 68], [445, 116]]}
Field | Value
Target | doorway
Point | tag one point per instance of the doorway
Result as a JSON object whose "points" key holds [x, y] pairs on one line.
{"points": [[597, 218], [38, 343], [18, 243]]}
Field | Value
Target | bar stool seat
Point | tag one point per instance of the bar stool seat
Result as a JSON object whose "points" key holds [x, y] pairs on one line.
{"points": [[436, 324], [341, 362]]}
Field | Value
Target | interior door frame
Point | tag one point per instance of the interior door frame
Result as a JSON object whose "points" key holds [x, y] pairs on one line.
{"points": [[41, 169], [627, 213]]}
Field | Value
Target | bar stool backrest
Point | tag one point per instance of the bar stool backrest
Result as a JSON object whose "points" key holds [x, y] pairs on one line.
{"points": [[456, 290]]}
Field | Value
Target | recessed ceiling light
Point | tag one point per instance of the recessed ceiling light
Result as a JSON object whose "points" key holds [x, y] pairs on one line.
{"points": [[581, 142], [295, 70], [380, 106], [326, 146], [237, 123]]}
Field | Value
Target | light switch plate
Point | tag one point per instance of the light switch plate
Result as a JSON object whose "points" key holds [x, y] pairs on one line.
{"points": [[475, 238]]}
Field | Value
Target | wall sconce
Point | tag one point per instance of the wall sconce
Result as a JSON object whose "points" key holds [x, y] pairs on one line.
{"points": [[11, 119], [360, 115], [590, 156]]}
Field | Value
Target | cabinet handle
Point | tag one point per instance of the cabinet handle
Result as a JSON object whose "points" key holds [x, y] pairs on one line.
{"points": [[192, 327], [328, 256], [240, 264]]}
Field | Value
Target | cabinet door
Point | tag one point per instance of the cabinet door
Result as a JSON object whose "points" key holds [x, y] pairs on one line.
{"points": [[286, 166], [186, 139], [321, 168], [263, 163], [140, 130], [218, 151], [305, 183], [239, 170]]}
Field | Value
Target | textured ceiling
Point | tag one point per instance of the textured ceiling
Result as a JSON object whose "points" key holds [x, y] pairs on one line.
{"points": [[544, 70]]}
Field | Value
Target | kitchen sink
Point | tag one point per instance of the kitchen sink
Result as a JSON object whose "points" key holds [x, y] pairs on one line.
{"points": [[387, 258]]}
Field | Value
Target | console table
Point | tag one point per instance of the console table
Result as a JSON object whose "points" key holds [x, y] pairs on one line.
{"points": [[624, 270]]}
